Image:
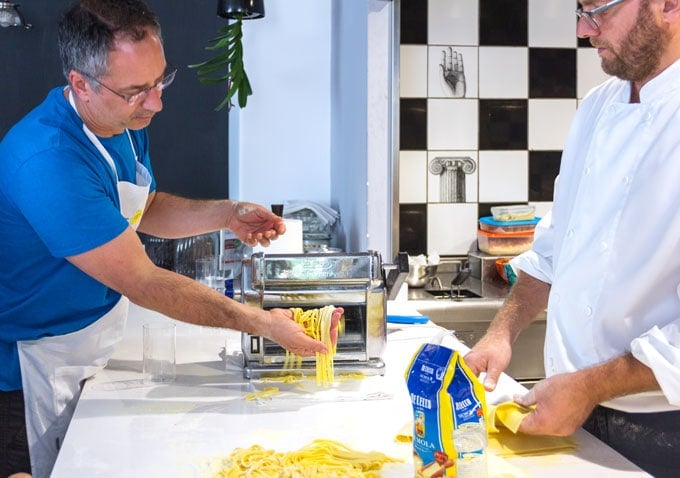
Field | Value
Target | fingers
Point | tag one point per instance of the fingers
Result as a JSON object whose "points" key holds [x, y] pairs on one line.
{"points": [[528, 424], [526, 400], [335, 320], [312, 349], [491, 379], [458, 63]]}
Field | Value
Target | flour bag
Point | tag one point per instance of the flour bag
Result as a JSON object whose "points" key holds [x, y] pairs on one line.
{"points": [[449, 406]]}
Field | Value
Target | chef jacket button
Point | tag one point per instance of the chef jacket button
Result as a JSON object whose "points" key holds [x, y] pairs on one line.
{"points": [[604, 246], [648, 116], [570, 233], [626, 179], [587, 171], [589, 311]]}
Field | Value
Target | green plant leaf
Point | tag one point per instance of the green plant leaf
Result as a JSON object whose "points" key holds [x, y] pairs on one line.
{"points": [[226, 66]]}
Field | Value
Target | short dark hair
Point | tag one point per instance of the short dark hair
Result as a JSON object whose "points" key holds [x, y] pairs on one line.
{"points": [[88, 31]]}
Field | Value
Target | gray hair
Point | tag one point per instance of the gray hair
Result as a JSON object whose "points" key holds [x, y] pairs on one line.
{"points": [[88, 31]]}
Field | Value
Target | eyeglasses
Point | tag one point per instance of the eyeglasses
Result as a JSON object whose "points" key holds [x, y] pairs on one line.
{"points": [[590, 16], [133, 99]]}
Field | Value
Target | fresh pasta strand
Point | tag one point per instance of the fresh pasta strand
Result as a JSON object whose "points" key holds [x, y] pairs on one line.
{"points": [[319, 459], [317, 324]]}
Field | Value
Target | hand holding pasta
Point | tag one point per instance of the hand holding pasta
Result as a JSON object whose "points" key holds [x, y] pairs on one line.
{"points": [[320, 324], [453, 72]]}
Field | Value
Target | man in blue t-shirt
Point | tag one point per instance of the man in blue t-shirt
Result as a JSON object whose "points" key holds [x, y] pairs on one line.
{"points": [[75, 183]]}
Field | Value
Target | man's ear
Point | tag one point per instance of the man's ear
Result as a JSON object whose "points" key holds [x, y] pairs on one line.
{"points": [[79, 85], [671, 10]]}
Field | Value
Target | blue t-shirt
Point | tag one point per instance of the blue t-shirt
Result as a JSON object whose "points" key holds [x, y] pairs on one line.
{"points": [[58, 198]]}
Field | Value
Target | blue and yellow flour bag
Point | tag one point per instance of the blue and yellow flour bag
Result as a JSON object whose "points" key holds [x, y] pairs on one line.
{"points": [[447, 400]]}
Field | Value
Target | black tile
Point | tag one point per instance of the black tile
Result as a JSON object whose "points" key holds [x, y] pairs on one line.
{"points": [[412, 123], [413, 228], [503, 124], [503, 23], [414, 22], [543, 169], [552, 73]]}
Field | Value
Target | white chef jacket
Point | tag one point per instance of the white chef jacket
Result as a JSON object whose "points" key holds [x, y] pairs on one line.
{"points": [[611, 245]]}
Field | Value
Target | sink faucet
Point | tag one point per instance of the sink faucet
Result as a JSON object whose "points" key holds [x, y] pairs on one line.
{"points": [[435, 281], [458, 280]]}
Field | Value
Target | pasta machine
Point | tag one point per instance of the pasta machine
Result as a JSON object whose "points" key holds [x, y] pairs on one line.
{"points": [[354, 281]]}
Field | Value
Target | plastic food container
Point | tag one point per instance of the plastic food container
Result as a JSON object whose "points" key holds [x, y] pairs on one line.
{"points": [[489, 224], [504, 244], [519, 212]]}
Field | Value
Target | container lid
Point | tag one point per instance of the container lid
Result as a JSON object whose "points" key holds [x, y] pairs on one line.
{"points": [[493, 222], [513, 213], [506, 234]]}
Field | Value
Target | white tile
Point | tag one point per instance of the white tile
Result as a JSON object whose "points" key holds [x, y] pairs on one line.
{"points": [[435, 181], [413, 71], [552, 23], [439, 58], [503, 176], [453, 22], [452, 124], [412, 176], [588, 71], [549, 122], [503, 72], [451, 228]]}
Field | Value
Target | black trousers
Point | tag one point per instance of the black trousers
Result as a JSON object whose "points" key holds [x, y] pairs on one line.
{"points": [[14, 455], [650, 440]]}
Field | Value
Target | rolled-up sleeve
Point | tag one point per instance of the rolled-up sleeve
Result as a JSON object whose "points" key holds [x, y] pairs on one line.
{"points": [[659, 349]]}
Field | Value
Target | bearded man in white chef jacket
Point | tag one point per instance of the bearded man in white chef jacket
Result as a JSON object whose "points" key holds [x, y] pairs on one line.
{"points": [[75, 183], [606, 261]]}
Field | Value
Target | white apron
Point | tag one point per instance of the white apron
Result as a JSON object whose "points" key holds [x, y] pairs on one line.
{"points": [[53, 369]]}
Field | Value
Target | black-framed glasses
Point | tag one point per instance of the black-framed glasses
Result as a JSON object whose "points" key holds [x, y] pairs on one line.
{"points": [[591, 15], [133, 99]]}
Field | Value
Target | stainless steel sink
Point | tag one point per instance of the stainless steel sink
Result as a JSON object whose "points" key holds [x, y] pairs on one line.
{"points": [[469, 319]]}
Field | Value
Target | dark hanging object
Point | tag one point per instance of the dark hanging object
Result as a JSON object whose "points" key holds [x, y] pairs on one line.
{"points": [[247, 9]]}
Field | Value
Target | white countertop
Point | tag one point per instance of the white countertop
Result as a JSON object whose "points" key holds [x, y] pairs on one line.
{"points": [[125, 428]]}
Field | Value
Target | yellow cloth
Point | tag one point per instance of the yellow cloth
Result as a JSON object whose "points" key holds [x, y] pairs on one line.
{"points": [[504, 440]]}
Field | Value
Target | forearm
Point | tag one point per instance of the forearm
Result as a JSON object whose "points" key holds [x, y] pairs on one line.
{"points": [[527, 298], [123, 265], [563, 402], [618, 377], [170, 216], [184, 299]]}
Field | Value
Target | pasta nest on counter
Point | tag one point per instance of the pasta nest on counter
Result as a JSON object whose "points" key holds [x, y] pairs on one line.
{"points": [[319, 459]]}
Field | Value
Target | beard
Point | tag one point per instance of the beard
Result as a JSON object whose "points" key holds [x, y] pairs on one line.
{"points": [[639, 55]]}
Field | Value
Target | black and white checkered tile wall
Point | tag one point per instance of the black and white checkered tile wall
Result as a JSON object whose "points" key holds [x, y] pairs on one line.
{"points": [[488, 89]]}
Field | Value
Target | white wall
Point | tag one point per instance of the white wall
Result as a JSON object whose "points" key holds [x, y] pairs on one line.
{"points": [[282, 137], [318, 124]]}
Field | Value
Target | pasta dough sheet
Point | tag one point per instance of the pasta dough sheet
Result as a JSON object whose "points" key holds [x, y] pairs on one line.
{"points": [[503, 437]]}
